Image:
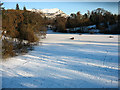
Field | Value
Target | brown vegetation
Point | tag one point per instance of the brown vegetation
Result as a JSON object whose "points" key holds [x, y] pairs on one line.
{"points": [[21, 25]]}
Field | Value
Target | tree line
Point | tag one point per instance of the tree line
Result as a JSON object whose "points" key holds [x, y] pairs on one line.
{"points": [[95, 17]]}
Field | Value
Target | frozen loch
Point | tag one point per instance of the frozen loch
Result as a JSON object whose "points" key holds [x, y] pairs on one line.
{"points": [[88, 61]]}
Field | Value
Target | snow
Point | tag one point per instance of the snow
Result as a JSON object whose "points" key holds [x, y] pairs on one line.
{"points": [[54, 10], [92, 26], [88, 61], [50, 13]]}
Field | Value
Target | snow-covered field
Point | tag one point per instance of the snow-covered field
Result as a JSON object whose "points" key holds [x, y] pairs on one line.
{"points": [[88, 61]]}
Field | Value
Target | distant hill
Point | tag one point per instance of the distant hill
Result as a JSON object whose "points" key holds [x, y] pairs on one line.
{"points": [[50, 13]]}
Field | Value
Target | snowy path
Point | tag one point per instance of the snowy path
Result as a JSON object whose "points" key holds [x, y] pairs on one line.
{"points": [[89, 61]]}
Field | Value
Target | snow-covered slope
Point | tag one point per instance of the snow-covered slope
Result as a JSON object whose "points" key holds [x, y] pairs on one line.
{"points": [[50, 13], [88, 61], [54, 10]]}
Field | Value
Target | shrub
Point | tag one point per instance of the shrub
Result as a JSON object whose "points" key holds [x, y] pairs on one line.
{"points": [[26, 33], [7, 49], [21, 25]]}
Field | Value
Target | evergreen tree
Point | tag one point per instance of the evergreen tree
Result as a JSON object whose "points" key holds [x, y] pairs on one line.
{"points": [[1, 5], [24, 8], [1, 15], [17, 7], [85, 16], [60, 23]]}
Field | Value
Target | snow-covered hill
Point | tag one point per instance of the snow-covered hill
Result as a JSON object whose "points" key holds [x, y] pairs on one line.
{"points": [[50, 13]]}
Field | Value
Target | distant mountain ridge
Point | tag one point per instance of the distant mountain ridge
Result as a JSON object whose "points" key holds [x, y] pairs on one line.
{"points": [[50, 13]]}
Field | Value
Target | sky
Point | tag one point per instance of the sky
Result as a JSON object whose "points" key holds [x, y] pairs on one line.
{"points": [[60, 0], [67, 7]]}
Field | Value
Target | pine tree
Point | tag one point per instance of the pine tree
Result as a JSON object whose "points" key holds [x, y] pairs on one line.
{"points": [[1, 8], [17, 7], [24, 8], [1, 5]]}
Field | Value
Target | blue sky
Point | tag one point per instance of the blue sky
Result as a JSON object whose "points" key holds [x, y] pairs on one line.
{"points": [[67, 7], [60, 0]]}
